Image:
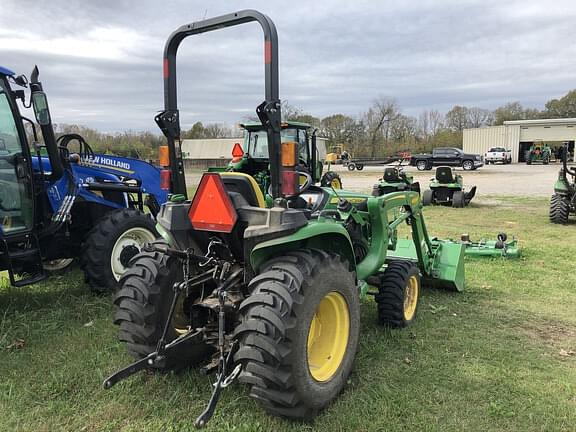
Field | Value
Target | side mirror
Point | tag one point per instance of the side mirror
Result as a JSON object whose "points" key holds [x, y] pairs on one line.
{"points": [[41, 111]]}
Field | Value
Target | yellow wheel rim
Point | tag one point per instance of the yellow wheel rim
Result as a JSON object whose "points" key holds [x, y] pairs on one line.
{"points": [[328, 336], [336, 184], [411, 297]]}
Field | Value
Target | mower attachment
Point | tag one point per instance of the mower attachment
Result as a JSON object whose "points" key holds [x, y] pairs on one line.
{"points": [[492, 248]]}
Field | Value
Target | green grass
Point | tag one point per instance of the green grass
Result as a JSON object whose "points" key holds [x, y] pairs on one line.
{"points": [[488, 359]]}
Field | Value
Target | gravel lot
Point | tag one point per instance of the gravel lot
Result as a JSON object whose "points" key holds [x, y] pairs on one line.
{"points": [[514, 179]]}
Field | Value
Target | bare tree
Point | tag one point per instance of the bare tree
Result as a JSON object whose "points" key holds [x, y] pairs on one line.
{"points": [[478, 117], [457, 118], [216, 130], [377, 121]]}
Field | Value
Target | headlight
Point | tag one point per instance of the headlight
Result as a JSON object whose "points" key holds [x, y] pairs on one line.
{"points": [[478, 157]]}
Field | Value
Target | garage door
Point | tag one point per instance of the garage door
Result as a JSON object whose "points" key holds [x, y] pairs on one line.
{"points": [[548, 133]]}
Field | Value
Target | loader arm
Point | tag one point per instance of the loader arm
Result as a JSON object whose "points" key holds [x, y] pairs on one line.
{"points": [[441, 262]]}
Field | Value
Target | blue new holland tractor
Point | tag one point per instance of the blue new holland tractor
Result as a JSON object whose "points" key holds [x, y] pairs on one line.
{"points": [[60, 201]]}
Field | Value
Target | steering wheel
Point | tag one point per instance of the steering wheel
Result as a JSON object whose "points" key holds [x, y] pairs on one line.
{"points": [[309, 181]]}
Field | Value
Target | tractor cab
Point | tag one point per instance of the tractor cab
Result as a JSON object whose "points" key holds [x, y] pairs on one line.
{"points": [[252, 156], [447, 188], [59, 200]]}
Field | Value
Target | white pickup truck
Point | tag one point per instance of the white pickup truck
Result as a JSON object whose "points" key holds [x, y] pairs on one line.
{"points": [[498, 154]]}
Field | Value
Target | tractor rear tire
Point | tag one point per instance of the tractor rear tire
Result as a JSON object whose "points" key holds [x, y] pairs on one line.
{"points": [[304, 308], [331, 179], [351, 166], [398, 294], [142, 307], [559, 209], [427, 197], [127, 229], [458, 199], [359, 167]]}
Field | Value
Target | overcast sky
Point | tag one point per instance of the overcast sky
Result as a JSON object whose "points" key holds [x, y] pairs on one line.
{"points": [[101, 61]]}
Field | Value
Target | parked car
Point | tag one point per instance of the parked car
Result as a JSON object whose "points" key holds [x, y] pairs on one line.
{"points": [[446, 156], [498, 154]]}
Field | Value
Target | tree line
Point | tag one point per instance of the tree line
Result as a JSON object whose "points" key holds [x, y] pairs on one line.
{"points": [[381, 130]]}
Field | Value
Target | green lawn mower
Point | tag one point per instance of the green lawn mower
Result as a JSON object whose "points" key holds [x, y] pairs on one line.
{"points": [[252, 156], [446, 188], [271, 295], [563, 202], [395, 179], [538, 153]]}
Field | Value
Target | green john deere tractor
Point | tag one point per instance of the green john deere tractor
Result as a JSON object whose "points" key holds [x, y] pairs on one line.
{"points": [[271, 295], [446, 188], [395, 179], [563, 202], [538, 153], [252, 156]]}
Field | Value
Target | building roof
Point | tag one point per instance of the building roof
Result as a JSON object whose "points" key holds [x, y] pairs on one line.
{"points": [[541, 122]]}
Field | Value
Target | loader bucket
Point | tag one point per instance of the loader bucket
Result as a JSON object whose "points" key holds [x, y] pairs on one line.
{"points": [[444, 268], [447, 266], [470, 194]]}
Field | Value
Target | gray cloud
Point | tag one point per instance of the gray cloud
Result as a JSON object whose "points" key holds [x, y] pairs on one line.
{"points": [[101, 61]]}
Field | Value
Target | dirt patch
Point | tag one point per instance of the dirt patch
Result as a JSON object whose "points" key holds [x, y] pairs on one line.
{"points": [[551, 333]]}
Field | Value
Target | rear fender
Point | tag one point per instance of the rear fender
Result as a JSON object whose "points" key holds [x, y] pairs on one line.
{"points": [[316, 235]]}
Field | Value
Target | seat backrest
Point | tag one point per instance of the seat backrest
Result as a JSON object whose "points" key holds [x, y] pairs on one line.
{"points": [[444, 175], [245, 185], [391, 175]]}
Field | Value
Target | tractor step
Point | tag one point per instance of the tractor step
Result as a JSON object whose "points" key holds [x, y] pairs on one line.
{"points": [[25, 260]]}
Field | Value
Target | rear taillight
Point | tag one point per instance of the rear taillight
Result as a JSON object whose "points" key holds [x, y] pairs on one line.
{"points": [[165, 179], [289, 176], [289, 183]]}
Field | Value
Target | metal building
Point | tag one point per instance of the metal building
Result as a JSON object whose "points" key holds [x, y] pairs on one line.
{"points": [[205, 153], [519, 135]]}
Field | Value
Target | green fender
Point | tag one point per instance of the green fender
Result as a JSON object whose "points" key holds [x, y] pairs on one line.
{"points": [[316, 235], [561, 188]]}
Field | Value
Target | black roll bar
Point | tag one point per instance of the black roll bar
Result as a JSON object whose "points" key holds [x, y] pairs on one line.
{"points": [[269, 111]]}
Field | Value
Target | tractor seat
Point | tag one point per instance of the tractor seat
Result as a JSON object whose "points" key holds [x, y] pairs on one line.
{"points": [[444, 175], [244, 185], [392, 175]]}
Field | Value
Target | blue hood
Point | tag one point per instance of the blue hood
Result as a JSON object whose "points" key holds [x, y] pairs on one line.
{"points": [[4, 71]]}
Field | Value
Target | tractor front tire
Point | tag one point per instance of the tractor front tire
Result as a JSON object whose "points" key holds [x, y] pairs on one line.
{"points": [[331, 179], [559, 209], [398, 294], [111, 244], [299, 332], [142, 306], [427, 197]]}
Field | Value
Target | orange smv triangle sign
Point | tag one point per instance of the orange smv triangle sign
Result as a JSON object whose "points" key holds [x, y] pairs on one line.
{"points": [[211, 208]]}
